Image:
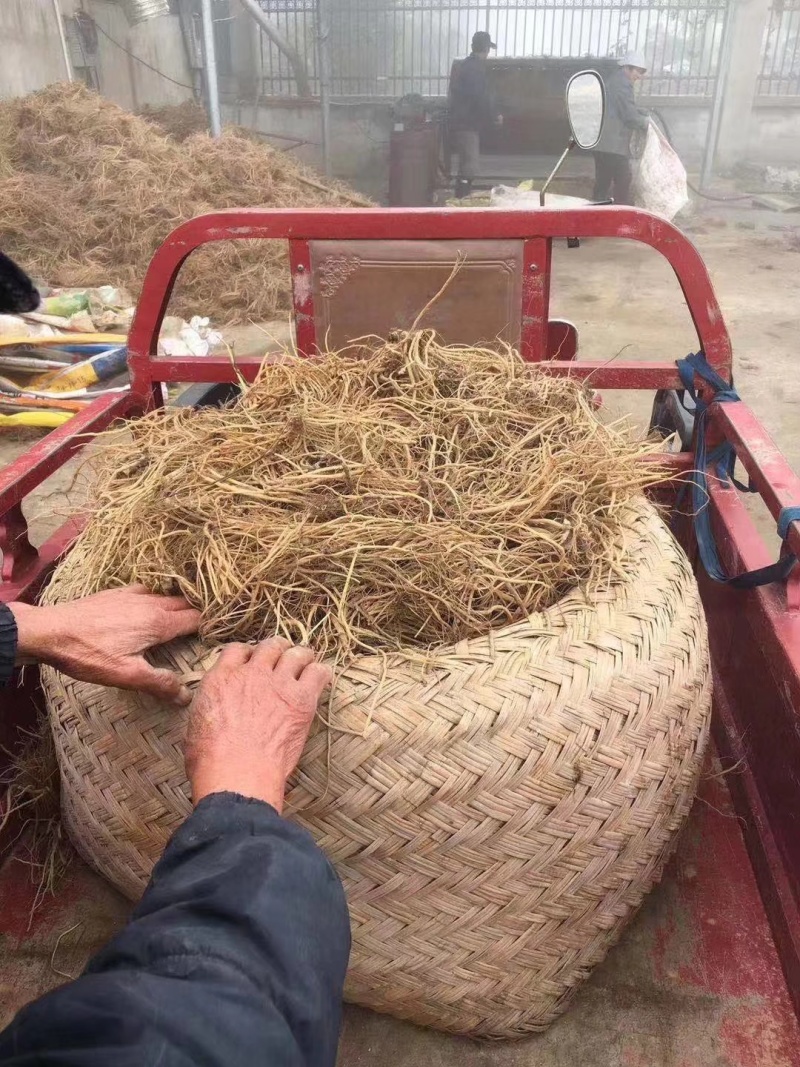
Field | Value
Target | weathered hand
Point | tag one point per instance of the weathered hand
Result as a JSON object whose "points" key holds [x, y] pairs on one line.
{"points": [[250, 719], [102, 638]]}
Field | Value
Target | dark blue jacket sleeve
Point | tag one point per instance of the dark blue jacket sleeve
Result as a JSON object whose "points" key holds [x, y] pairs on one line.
{"points": [[235, 955], [8, 644]]}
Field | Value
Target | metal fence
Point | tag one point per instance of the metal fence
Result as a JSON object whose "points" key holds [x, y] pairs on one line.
{"points": [[780, 61], [385, 48]]}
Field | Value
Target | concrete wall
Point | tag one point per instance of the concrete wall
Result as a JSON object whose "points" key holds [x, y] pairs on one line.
{"points": [[31, 56], [360, 136], [30, 51], [361, 133], [160, 43], [774, 134], [114, 68]]}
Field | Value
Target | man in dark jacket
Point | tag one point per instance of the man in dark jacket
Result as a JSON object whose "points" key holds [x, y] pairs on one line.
{"points": [[470, 110], [236, 953], [612, 156]]}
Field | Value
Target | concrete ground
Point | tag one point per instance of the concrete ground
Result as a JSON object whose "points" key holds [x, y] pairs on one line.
{"points": [[695, 982]]}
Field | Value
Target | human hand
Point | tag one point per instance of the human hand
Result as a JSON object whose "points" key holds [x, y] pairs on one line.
{"points": [[250, 719], [102, 638]]}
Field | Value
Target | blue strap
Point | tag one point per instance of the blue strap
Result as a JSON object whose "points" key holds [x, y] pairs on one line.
{"points": [[785, 517], [722, 459]]}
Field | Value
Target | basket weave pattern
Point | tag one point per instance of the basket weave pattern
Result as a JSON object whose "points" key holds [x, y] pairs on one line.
{"points": [[496, 820]]}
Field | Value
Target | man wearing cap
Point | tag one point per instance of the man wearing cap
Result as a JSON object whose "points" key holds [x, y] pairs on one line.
{"points": [[612, 156], [471, 109]]}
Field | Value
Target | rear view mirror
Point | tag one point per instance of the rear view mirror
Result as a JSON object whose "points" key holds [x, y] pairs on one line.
{"points": [[17, 292], [586, 105], [586, 109]]}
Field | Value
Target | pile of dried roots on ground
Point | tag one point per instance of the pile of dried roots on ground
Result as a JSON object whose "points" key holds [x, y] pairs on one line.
{"points": [[404, 495], [89, 191]]}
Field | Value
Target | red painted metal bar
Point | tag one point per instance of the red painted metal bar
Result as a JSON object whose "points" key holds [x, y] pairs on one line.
{"points": [[28, 583], [755, 646], [762, 459], [424, 224], [536, 257], [775, 881], [649, 376], [39, 462]]}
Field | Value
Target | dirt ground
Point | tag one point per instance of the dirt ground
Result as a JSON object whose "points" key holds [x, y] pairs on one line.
{"points": [[625, 296], [631, 1014]]}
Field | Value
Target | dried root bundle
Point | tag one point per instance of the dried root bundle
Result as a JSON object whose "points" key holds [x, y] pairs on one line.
{"points": [[404, 495]]}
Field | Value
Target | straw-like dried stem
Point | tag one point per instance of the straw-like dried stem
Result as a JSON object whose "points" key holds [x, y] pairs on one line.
{"points": [[89, 191], [404, 495]]}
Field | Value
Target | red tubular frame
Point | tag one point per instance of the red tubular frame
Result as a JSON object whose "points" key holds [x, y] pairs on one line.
{"points": [[755, 635], [536, 228]]}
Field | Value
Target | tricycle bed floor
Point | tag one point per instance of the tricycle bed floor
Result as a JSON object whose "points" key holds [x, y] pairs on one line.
{"points": [[695, 981]]}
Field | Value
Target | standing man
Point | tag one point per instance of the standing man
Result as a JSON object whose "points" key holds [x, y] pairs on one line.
{"points": [[612, 155], [471, 110]]}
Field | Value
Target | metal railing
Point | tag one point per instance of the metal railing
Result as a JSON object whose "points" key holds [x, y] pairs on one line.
{"points": [[780, 61], [383, 48]]}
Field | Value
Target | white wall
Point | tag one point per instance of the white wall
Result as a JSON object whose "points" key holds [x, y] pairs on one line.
{"points": [[160, 43], [114, 69], [30, 51], [774, 134], [31, 56]]}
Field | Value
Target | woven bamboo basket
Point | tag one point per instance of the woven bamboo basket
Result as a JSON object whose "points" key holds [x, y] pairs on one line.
{"points": [[496, 820]]}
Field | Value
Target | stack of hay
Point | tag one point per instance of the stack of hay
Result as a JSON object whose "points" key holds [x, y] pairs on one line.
{"points": [[177, 121], [88, 192], [521, 698]]}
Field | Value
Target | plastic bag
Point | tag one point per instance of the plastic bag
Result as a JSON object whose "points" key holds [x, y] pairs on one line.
{"points": [[194, 338], [525, 196], [659, 177]]}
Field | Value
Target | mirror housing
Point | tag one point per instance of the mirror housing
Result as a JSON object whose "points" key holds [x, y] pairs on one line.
{"points": [[586, 111], [586, 108]]}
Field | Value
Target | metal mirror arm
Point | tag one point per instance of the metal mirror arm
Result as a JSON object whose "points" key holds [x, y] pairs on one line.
{"points": [[570, 145]]}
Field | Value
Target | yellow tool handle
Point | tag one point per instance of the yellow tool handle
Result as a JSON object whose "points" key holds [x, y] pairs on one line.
{"points": [[67, 339], [49, 419], [31, 403], [79, 376]]}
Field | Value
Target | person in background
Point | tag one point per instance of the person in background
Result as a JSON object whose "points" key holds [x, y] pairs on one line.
{"points": [[470, 110], [612, 166], [237, 952]]}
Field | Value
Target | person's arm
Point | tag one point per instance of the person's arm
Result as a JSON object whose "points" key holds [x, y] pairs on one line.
{"points": [[629, 113], [238, 950], [235, 955], [8, 644], [100, 638]]}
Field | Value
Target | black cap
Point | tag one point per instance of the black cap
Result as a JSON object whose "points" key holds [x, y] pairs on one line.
{"points": [[482, 41]]}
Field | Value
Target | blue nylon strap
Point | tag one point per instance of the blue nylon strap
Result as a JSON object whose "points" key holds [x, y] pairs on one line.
{"points": [[723, 459], [785, 517]]}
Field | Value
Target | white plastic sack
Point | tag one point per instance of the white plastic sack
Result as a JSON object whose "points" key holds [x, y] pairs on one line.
{"points": [[659, 177]]}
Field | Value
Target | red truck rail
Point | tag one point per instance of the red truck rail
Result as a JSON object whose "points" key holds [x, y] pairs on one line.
{"points": [[755, 634]]}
